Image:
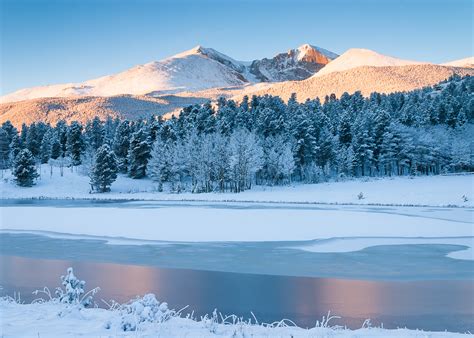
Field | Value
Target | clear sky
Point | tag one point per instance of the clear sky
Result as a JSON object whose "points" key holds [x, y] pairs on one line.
{"points": [[56, 41]]}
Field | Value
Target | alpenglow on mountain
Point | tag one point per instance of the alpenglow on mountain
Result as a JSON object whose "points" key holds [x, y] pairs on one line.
{"points": [[196, 69]]}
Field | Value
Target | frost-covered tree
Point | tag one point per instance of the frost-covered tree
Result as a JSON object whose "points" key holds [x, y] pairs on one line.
{"points": [[245, 160], [222, 162], [278, 162], [159, 163], [24, 169], [104, 170]]}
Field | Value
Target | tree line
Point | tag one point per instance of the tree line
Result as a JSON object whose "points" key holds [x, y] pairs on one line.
{"points": [[230, 146]]}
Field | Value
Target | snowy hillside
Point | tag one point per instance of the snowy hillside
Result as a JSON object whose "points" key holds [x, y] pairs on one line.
{"points": [[467, 62], [366, 79], [357, 57]]}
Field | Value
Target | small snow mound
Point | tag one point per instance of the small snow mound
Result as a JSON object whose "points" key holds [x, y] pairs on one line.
{"points": [[358, 57], [467, 63]]}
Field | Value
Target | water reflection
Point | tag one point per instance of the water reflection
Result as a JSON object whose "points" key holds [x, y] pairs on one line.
{"points": [[430, 305]]}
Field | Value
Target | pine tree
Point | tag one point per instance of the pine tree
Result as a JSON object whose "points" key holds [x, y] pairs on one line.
{"points": [[121, 144], [94, 134], [15, 147], [75, 142], [24, 169], [62, 131], [33, 143], [10, 129], [45, 149], [56, 150], [4, 150], [138, 154], [104, 169], [23, 134]]}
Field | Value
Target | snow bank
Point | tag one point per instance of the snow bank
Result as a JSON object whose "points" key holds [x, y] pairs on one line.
{"points": [[206, 223], [358, 243], [432, 190], [42, 320]]}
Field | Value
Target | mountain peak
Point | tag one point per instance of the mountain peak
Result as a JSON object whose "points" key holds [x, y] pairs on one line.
{"points": [[310, 53]]}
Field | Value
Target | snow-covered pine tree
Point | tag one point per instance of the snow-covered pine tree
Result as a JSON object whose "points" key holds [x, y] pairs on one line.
{"points": [[61, 130], [75, 143], [104, 170], [94, 134], [138, 154], [121, 144], [45, 149], [15, 147], [55, 145], [33, 144], [24, 169]]}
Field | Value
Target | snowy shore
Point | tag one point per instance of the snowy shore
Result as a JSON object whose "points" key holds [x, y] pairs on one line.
{"points": [[43, 320], [451, 190]]}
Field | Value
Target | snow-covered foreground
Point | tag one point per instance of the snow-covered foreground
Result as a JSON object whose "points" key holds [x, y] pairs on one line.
{"points": [[452, 190], [43, 320]]}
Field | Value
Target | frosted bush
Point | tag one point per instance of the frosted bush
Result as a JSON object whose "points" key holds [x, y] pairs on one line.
{"points": [[73, 292], [143, 310]]}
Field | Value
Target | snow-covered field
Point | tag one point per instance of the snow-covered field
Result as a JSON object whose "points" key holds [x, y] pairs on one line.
{"points": [[43, 320], [423, 191]]}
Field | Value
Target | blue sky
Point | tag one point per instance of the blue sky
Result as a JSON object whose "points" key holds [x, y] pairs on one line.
{"points": [[53, 41]]}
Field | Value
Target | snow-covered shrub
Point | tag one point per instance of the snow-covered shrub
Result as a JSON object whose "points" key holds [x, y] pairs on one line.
{"points": [[73, 292], [142, 310]]}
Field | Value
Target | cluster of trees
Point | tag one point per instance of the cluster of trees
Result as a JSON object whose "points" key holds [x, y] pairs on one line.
{"points": [[263, 140]]}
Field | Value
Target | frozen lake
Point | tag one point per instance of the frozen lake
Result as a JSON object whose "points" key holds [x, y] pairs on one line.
{"points": [[410, 283], [389, 284]]}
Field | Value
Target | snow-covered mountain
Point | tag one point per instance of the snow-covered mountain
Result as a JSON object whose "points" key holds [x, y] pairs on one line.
{"points": [[467, 63], [296, 64], [358, 57], [196, 69]]}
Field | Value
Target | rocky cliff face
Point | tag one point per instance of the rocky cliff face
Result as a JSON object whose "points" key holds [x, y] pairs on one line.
{"points": [[296, 64]]}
